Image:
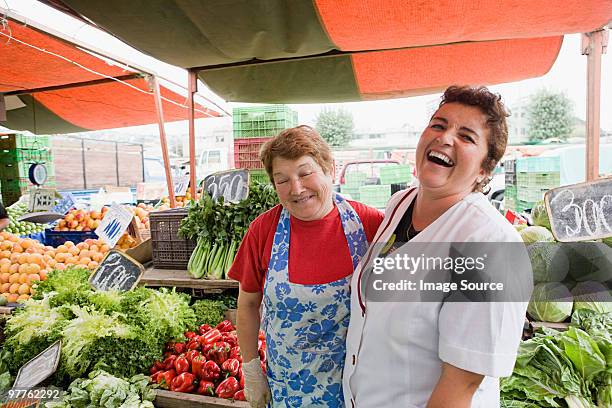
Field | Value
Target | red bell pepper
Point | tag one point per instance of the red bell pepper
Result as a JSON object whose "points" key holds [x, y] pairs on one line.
{"points": [[263, 367], [185, 382], [225, 326], [227, 388], [165, 378], [261, 344], [219, 353], [168, 363], [203, 329], [210, 371], [191, 354], [241, 377], [197, 365], [190, 335], [262, 355], [212, 336], [179, 348], [261, 335], [181, 364], [155, 376], [231, 366], [239, 395], [206, 388], [157, 367], [193, 344], [231, 338], [235, 353]]}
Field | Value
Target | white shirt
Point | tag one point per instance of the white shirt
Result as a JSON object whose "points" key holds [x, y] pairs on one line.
{"points": [[395, 350]]}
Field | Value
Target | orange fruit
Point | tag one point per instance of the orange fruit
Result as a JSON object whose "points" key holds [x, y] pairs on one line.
{"points": [[4, 276], [34, 277], [69, 244], [14, 268], [14, 288], [43, 274], [84, 261], [24, 268], [17, 248], [14, 278], [12, 298], [24, 289], [92, 265], [5, 287], [22, 297], [4, 268]]}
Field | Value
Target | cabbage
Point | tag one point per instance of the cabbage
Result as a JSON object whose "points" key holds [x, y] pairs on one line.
{"points": [[548, 261], [539, 215], [590, 261], [592, 295], [550, 302], [520, 227], [536, 234], [607, 241]]}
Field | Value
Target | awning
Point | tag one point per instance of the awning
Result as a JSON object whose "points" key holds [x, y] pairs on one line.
{"points": [[330, 50], [53, 86]]}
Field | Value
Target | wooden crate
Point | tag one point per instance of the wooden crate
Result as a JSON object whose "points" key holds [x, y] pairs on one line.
{"points": [[169, 399]]}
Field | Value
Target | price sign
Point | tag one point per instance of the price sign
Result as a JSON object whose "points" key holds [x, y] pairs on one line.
{"points": [[232, 185], [114, 224], [39, 368], [42, 199], [581, 212], [180, 185], [117, 271], [65, 204]]}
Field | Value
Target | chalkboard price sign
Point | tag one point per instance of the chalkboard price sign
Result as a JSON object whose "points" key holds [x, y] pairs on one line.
{"points": [[581, 212], [117, 271], [39, 368], [232, 185]]}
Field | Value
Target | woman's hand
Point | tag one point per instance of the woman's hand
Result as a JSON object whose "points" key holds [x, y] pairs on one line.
{"points": [[455, 388], [256, 388]]}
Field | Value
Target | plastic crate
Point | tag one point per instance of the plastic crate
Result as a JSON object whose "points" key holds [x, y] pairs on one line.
{"points": [[375, 196], [539, 180], [19, 141], [510, 166], [510, 179], [170, 250], [355, 179], [22, 184], [530, 194], [260, 176], [246, 153], [523, 205], [56, 238], [353, 192], [538, 165], [395, 174], [262, 121], [11, 170]]}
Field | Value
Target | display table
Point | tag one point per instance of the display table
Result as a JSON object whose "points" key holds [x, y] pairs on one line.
{"points": [[169, 399], [181, 279]]}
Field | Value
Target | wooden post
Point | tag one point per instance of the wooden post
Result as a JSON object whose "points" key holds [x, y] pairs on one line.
{"points": [[162, 139], [593, 45], [192, 79]]}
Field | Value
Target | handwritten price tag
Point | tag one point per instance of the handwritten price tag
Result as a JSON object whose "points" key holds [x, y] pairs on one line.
{"points": [[232, 185], [65, 204], [581, 212], [42, 199], [181, 185], [114, 224]]}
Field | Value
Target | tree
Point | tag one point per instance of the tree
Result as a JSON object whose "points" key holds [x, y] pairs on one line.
{"points": [[335, 126], [549, 115]]}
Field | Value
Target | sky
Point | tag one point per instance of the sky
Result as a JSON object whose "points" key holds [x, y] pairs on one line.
{"points": [[567, 75]]}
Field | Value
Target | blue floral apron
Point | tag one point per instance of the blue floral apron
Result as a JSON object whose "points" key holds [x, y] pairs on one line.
{"points": [[306, 325]]}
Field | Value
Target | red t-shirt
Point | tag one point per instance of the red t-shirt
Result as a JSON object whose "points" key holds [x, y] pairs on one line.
{"points": [[318, 250]]}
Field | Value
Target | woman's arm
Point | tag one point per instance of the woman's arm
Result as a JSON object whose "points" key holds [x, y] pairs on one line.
{"points": [[248, 318], [455, 388]]}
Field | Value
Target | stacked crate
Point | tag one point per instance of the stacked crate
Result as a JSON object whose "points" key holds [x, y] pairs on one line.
{"points": [[353, 181], [395, 174], [375, 195], [534, 177], [17, 153], [510, 185], [253, 126]]}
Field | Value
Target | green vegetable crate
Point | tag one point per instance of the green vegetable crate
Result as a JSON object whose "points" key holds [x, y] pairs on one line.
{"points": [[259, 175], [262, 121], [395, 174], [375, 196], [19, 141]]}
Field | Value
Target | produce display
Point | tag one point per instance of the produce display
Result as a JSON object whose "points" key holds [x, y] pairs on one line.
{"points": [[564, 369], [21, 227], [103, 390], [122, 333], [219, 229], [206, 362]]}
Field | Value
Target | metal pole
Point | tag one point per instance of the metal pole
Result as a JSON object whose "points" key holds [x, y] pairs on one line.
{"points": [[192, 80], [84, 167], [162, 139], [593, 45], [142, 162]]}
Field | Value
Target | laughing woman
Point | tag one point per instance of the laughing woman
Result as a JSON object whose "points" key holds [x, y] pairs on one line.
{"points": [[436, 354], [296, 260]]}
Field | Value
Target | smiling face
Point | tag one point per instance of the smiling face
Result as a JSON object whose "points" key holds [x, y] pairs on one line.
{"points": [[302, 187], [452, 149]]}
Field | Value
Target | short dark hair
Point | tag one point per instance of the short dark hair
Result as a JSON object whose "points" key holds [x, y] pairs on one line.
{"points": [[491, 105], [294, 143]]}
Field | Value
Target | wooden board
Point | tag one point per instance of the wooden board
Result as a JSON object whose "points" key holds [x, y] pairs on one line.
{"points": [[556, 326], [181, 279], [169, 399]]}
